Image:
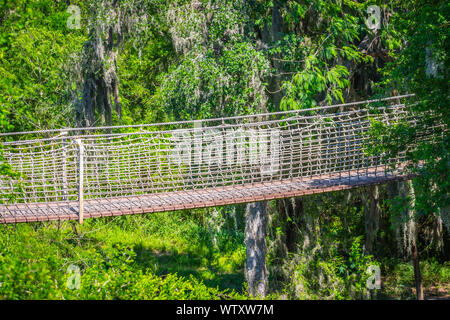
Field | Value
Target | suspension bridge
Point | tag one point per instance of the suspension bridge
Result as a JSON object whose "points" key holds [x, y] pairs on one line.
{"points": [[79, 173]]}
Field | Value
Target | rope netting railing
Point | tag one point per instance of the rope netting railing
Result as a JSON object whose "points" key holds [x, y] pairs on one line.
{"points": [[313, 148]]}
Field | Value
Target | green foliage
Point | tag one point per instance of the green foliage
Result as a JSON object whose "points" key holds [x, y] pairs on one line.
{"points": [[220, 70], [34, 84], [7, 173], [216, 58], [325, 52], [329, 261], [420, 67], [37, 66], [324, 273], [160, 259], [400, 277], [138, 70]]}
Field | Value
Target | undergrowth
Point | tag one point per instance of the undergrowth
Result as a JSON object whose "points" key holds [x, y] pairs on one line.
{"points": [[176, 256], [156, 256]]}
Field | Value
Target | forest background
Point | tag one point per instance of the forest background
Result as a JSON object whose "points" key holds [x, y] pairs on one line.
{"points": [[93, 63]]}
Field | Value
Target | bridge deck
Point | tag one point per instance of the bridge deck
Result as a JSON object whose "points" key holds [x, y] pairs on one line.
{"points": [[191, 199]]}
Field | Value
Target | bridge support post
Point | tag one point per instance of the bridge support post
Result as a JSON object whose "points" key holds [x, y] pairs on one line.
{"points": [[65, 196], [255, 240], [80, 179]]}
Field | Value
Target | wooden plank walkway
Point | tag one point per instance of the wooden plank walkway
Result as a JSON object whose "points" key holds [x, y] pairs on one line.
{"points": [[191, 199]]}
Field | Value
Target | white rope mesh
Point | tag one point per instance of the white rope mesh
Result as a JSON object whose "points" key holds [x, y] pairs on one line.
{"points": [[285, 151]]}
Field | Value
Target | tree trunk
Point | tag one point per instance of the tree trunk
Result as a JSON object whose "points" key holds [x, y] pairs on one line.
{"points": [[255, 241], [417, 275], [268, 36], [415, 251], [372, 215], [99, 71], [275, 82], [290, 210], [409, 233]]}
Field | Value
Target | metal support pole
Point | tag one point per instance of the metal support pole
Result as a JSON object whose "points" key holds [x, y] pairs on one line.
{"points": [[64, 168], [81, 179], [340, 151]]}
